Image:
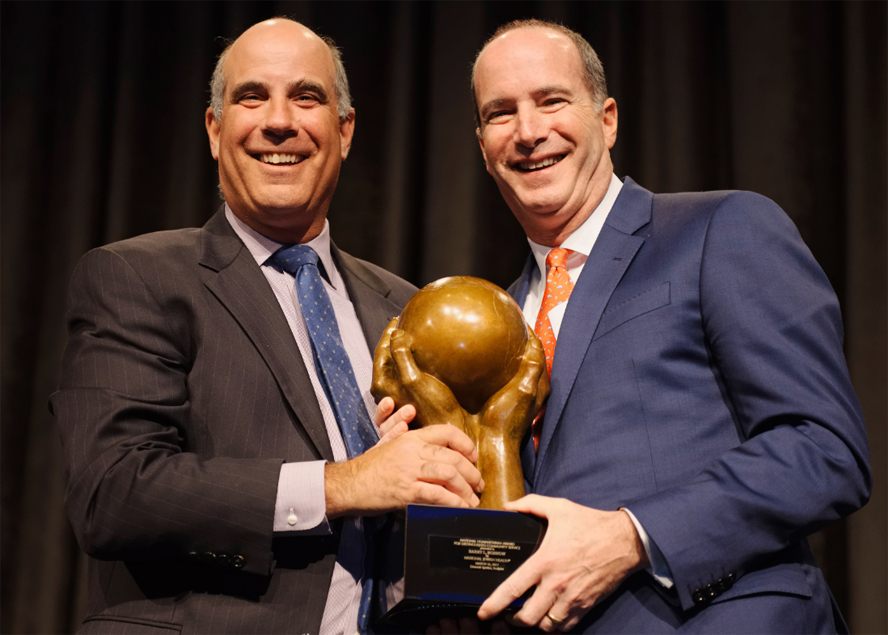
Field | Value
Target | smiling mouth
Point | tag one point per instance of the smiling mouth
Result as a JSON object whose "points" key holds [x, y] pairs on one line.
{"points": [[279, 158], [534, 166]]}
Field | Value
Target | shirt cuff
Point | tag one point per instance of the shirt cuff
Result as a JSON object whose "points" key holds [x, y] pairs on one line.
{"points": [[659, 570], [301, 504]]}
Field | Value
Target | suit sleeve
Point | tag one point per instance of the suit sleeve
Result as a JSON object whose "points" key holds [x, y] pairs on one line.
{"points": [[773, 327], [124, 415]]}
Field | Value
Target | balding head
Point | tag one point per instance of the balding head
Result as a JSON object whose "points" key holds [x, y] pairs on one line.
{"points": [[340, 82]]}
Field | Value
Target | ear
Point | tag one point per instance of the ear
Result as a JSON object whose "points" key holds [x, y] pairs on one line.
{"points": [[213, 129], [609, 121], [481, 143], [346, 132]]}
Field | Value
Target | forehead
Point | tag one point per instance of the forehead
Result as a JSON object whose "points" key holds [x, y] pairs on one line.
{"points": [[527, 59], [281, 52]]}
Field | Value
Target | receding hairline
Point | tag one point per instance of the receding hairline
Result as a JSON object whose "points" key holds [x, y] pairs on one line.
{"points": [[498, 38], [219, 83], [590, 63], [327, 45]]}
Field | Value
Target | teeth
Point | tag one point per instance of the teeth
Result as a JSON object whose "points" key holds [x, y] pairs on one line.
{"points": [[527, 167], [280, 158]]}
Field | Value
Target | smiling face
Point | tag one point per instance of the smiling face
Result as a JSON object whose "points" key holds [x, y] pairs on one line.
{"points": [[279, 143], [543, 140]]}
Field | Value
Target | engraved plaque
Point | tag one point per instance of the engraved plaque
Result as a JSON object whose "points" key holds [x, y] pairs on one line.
{"points": [[455, 558]]}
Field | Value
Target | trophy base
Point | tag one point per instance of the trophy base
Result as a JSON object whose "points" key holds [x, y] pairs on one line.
{"points": [[455, 558]]}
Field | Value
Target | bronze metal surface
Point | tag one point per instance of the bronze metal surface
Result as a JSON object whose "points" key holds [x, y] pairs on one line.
{"points": [[462, 354]]}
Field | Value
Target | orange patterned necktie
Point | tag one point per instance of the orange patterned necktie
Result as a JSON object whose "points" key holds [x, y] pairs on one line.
{"points": [[558, 288]]}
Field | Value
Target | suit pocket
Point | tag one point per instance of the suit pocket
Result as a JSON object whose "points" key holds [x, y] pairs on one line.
{"points": [[644, 302], [127, 626]]}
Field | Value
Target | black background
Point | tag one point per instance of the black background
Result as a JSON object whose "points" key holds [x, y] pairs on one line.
{"points": [[103, 138]]}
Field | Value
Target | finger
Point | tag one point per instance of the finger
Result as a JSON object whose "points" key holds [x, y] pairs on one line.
{"points": [[403, 415], [499, 627], [469, 626], [434, 629], [424, 493], [384, 410], [450, 470], [383, 368], [510, 590], [393, 432], [542, 506], [534, 361], [451, 437], [537, 607], [448, 626], [402, 354]]}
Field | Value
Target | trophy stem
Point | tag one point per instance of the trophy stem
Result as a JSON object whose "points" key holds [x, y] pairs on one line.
{"points": [[499, 460]]}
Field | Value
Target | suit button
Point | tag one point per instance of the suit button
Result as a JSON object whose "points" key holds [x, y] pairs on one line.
{"points": [[209, 557], [193, 555], [698, 597], [223, 560], [237, 561]]}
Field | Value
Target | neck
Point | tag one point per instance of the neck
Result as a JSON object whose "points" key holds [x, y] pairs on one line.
{"points": [[553, 229]]}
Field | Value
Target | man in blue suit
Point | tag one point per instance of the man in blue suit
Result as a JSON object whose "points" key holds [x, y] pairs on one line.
{"points": [[701, 422]]}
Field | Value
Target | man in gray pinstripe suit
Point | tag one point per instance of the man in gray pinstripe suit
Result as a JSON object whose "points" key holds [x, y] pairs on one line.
{"points": [[207, 477]]}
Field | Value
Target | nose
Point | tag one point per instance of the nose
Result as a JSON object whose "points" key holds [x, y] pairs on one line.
{"points": [[281, 119], [531, 129]]}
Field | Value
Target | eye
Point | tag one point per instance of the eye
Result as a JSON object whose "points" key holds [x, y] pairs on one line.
{"points": [[250, 98], [307, 99], [497, 115], [554, 101]]}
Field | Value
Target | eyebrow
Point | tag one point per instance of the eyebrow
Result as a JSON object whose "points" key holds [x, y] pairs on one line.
{"points": [[302, 85], [492, 104]]}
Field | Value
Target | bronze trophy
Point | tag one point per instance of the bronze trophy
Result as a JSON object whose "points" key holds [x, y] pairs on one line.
{"points": [[462, 354]]}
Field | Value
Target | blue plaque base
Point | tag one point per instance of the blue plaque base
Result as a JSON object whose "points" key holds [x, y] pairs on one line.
{"points": [[455, 558]]}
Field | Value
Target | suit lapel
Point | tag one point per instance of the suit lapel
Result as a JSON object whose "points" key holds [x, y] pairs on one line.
{"points": [[239, 285], [369, 295], [608, 261]]}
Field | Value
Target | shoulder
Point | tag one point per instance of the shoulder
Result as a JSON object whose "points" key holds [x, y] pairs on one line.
{"points": [[726, 205], [157, 247], [401, 289], [156, 260], [393, 287]]}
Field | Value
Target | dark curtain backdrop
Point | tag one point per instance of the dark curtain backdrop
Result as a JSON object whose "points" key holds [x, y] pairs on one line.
{"points": [[102, 138]]}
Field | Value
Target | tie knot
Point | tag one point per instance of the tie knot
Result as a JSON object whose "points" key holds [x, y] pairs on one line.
{"points": [[558, 257], [291, 258]]}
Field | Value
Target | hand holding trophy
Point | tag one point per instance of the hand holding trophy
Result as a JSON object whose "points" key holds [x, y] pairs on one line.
{"points": [[461, 354]]}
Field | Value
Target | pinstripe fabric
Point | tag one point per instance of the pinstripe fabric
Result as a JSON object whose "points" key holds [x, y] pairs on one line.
{"points": [[182, 392]]}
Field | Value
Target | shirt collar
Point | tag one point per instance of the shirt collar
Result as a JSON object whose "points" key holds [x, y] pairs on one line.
{"points": [[583, 237], [262, 247]]}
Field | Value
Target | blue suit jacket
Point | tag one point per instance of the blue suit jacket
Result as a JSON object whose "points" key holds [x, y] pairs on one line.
{"points": [[699, 380]]}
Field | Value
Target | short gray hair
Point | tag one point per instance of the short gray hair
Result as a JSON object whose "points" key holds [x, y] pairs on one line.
{"points": [[593, 71], [340, 81]]}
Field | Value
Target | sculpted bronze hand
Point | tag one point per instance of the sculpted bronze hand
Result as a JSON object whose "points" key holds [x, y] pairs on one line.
{"points": [[462, 354]]}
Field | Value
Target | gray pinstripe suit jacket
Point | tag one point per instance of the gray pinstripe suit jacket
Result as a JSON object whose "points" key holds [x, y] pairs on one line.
{"points": [[182, 392]]}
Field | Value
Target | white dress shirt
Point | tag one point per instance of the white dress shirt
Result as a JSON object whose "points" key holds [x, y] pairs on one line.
{"points": [[300, 509], [581, 242]]}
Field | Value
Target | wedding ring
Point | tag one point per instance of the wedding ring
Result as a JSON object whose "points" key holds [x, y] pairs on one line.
{"points": [[555, 620]]}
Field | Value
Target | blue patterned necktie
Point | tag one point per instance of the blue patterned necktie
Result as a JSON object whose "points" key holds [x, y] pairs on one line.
{"points": [[335, 371]]}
